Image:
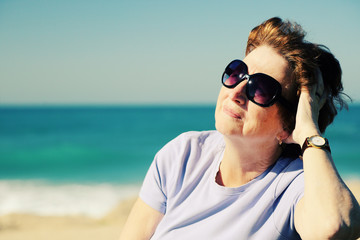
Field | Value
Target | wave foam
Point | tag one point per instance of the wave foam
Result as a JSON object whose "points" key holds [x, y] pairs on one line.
{"points": [[41, 198]]}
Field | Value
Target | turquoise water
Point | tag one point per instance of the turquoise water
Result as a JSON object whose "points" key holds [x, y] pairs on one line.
{"points": [[90, 144], [75, 154]]}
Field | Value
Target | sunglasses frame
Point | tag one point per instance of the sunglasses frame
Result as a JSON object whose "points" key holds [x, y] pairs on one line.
{"points": [[278, 97]]}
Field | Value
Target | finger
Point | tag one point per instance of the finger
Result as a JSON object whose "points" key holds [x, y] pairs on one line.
{"points": [[321, 92]]}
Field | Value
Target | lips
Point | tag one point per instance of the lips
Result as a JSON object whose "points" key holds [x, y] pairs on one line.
{"points": [[230, 112]]}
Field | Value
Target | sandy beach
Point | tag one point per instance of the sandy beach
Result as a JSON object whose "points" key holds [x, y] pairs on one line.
{"points": [[32, 227]]}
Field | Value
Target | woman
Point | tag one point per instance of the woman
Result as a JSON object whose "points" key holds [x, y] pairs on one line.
{"points": [[246, 180]]}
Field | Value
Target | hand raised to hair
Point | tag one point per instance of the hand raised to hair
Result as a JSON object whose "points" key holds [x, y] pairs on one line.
{"points": [[311, 100]]}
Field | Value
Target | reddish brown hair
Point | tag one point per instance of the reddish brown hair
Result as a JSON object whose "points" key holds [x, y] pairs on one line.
{"points": [[287, 38]]}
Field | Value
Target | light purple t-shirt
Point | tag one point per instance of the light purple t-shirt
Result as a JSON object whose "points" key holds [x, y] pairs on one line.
{"points": [[181, 184]]}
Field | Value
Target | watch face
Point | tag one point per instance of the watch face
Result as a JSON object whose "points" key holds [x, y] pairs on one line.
{"points": [[317, 141]]}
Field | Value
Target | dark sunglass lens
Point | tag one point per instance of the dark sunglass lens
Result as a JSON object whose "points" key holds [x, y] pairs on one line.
{"points": [[231, 80], [234, 65], [233, 73], [263, 89]]}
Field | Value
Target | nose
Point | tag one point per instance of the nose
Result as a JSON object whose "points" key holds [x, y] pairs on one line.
{"points": [[238, 93]]}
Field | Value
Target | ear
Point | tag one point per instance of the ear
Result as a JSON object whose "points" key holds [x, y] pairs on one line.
{"points": [[282, 135]]}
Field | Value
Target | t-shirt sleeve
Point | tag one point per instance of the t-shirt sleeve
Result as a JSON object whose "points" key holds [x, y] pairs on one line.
{"points": [[152, 191], [166, 174], [158, 179]]}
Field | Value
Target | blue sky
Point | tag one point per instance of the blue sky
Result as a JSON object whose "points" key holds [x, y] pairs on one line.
{"points": [[136, 52]]}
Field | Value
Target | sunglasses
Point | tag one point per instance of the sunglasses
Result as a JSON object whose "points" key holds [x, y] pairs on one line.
{"points": [[261, 89]]}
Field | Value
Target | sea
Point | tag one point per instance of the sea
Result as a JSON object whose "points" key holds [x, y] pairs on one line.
{"points": [[83, 160]]}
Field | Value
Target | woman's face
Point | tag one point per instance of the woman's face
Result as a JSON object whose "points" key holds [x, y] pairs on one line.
{"points": [[235, 115]]}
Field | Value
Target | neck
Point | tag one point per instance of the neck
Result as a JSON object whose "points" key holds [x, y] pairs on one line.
{"points": [[244, 160]]}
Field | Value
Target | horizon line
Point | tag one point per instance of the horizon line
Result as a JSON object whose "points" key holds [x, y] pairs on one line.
{"points": [[196, 104]]}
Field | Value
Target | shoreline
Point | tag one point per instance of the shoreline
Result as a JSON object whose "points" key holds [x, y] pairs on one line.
{"points": [[16, 226]]}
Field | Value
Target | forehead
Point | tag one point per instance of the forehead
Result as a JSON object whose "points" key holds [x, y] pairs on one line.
{"points": [[265, 59]]}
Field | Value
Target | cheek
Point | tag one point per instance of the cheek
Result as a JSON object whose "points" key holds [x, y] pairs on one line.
{"points": [[264, 122], [222, 96], [274, 123]]}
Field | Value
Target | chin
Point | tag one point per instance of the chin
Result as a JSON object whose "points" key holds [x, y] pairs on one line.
{"points": [[227, 128], [225, 125]]}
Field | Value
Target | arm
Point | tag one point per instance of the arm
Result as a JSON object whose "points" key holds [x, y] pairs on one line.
{"points": [[328, 210], [141, 223]]}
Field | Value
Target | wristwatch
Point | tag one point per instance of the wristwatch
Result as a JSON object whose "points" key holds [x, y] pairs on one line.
{"points": [[316, 141]]}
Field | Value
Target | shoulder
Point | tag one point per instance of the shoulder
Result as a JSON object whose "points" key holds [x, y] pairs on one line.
{"points": [[200, 136], [290, 165], [188, 156], [194, 140], [176, 165], [289, 170], [190, 150], [289, 179], [191, 145]]}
